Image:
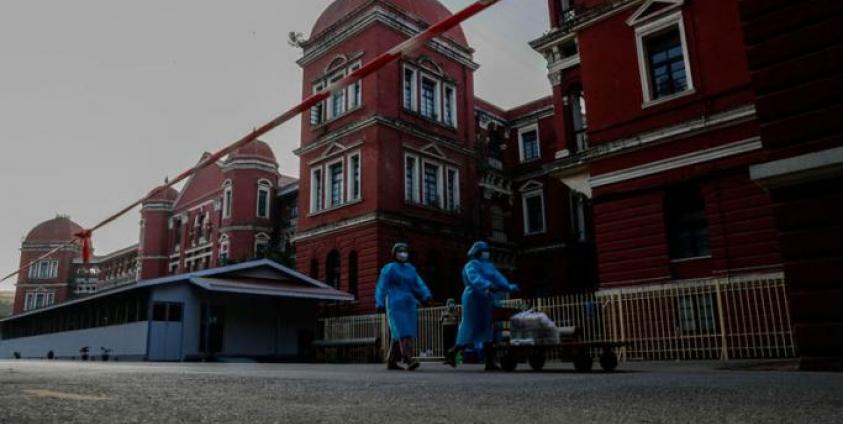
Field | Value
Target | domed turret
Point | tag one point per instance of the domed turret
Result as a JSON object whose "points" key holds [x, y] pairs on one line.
{"points": [[162, 194], [57, 230], [429, 11], [254, 150]]}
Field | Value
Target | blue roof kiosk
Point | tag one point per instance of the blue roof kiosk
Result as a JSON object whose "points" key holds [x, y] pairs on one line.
{"points": [[258, 310]]}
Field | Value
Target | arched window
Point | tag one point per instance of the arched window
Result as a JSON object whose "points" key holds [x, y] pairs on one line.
{"points": [[353, 273], [263, 206], [577, 116], [227, 199], [333, 269], [261, 245], [314, 268], [225, 247]]}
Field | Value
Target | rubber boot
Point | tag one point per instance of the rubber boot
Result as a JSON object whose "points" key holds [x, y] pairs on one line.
{"points": [[451, 356], [393, 356], [491, 357], [406, 353]]}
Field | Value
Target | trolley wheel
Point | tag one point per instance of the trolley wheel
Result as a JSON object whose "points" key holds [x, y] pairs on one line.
{"points": [[537, 361], [509, 362], [609, 360], [583, 362]]}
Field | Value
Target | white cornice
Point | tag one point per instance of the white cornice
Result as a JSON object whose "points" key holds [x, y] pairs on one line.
{"points": [[675, 162], [332, 38]]}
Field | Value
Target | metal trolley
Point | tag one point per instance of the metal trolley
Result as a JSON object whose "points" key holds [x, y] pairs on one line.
{"points": [[570, 349]]}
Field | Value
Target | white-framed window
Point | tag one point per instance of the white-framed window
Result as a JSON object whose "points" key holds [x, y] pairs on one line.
{"points": [[38, 299], [261, 244], [335, 183], [533, 211], [431, 98], [227, 199], [579, 216], [411, 179], [317, 112], [529, 145], [141, 237], [578, 117], [355, 91], [340, 101], [452, 189], [44, 270], [663, 59], [411, 95], [225, 249], [354, 177], [449, 113], [264, 196], [432, 184], [336, 103], [317, 190]]}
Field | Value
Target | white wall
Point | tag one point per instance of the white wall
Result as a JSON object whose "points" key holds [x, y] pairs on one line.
{"points": [[124, 341]]}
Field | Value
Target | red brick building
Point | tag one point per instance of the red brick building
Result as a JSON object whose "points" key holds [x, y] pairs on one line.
{"points": [[229, 212]]}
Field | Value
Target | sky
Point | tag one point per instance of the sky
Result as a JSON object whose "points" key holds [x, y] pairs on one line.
{"points": [[100, 100]]}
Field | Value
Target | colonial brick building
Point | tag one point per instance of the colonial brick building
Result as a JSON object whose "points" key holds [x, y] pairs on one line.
{"points": [[229, 212], [634, 170]]}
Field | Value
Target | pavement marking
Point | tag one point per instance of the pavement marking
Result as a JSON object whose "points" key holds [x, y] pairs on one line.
{"points": [[63, 395]]}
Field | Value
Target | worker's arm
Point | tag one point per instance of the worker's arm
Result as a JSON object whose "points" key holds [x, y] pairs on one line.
{"points": [[474, 277], [380, 290]]}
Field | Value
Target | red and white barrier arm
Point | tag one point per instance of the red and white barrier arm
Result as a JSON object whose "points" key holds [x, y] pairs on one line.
{"points": [[379, 62]]}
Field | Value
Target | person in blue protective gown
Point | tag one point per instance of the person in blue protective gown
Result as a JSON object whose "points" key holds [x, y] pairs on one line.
{"points": [[399, 291], [482, 280]]}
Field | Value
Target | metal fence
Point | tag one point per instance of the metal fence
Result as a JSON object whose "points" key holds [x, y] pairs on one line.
{"points": [[721, 318]]}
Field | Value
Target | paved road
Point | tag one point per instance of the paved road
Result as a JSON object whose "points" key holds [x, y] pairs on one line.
{"points": [[73, 392]]}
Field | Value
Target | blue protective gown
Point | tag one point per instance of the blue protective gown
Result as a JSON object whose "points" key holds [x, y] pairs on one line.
{"points": [[476, 326], [399, 290]]}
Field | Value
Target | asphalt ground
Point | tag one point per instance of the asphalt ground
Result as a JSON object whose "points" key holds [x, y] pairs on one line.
{"points": [[76, 392]]}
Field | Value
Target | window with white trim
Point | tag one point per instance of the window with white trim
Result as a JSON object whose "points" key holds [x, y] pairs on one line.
{"points": [[335, 184], [354, 181], [452, 189], [432, 184], [528, 143], [227, 200], [533, 211], [261, 245], [263, 206], [450, 109], [579, 216], [579, 122], [411, 179], [430, 98], [38, 299], [44, 270], [317, 190], [340, 101], [663, 59], [225, 248], [410, 89]]}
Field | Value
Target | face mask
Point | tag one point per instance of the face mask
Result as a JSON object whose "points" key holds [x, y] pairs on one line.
{"points": [[402, 256], [485, 256]]}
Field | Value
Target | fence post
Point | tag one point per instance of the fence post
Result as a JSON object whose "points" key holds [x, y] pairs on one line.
{"points": [[724, 348], [622, 327]]}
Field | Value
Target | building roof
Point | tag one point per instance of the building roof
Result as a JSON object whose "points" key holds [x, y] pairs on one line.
{"points": [[254, 150], [57, 230], [429, 11], [261, 277], [162, 194]]}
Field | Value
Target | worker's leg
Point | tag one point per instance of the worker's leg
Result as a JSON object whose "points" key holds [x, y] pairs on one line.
{"points": [[394, 356], [407, 354], [451, 355], [491, 357]]}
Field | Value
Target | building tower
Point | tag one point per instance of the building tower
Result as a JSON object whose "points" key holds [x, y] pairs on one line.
{"points": [[389, 158], [153, 245], [46, 282], [250, 176]]}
